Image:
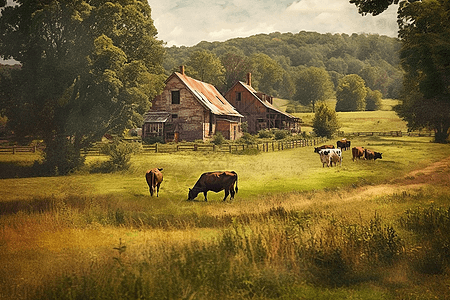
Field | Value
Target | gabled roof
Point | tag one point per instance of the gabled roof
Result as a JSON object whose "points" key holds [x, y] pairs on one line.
{"points": [[265, 103], [208, 96]]}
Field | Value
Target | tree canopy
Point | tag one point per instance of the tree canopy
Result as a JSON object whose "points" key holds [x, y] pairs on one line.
{"points": [[424, 31], [313, 85], [87, 68], [351, 94]]}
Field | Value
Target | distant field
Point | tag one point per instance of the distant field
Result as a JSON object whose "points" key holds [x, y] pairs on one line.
{"points": [[382, 120]]}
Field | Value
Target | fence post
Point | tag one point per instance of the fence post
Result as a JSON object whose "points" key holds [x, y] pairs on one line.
{"points": [[156, 147], [14, 149]]}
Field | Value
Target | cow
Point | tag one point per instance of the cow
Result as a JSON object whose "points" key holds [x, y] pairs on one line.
{"points": [[369, 154], [215, 181], [327, 154], [334, 158], [154, 178], [357, 153], [317, 149], [344, 144]]}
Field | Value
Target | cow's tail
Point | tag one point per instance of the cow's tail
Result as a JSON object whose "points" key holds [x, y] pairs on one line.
{"points": [[236, 188]]}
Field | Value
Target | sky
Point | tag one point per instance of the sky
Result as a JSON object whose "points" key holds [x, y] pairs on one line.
{"points": [[188, 22]]}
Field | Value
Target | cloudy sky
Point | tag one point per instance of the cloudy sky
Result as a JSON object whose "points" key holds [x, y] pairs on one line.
{"points": [[188, 22]]}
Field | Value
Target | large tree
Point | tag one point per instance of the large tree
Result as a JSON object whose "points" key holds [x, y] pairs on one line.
{"points": [[266, 73], [351, 94], [424, 30], [88, 67], [313, 85], [236, 68], [205, 66]]}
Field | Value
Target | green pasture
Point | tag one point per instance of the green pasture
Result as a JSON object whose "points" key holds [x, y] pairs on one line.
{"points": [[273, 172]]}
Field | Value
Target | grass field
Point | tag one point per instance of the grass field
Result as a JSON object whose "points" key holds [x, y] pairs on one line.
{"points": [[366, 230]]}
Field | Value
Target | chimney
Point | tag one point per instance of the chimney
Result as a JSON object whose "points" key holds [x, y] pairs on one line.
{"points": [[182, 70], [249, 79]]}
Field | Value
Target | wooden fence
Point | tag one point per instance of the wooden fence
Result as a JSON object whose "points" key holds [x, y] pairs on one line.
{"points": [[230, 148], [19, 149], [388, 133]]}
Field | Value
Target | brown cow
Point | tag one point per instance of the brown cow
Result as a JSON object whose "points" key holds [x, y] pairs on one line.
{"points": [[357, 153], [317, 149], [344, 144], [369, 154], [215, 181], [154, 178]]}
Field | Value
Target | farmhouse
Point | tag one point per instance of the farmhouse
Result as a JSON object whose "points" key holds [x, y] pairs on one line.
{"points": [[189, 109], [258, 109]]}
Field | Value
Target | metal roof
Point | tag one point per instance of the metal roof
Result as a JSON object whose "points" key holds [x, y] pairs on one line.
{"points": [[265, 103], [156, 117], [209, 96]]}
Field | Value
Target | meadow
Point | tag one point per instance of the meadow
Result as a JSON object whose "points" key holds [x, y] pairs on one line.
{"points": [[366, 230]]}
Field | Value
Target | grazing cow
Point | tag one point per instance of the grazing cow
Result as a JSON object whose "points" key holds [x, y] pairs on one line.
{"points": [[317, 149], [344, 144], [327, 154], [215, 181], [357, 153], [324, 159], [154, 178], [369, 154], [334, 158]]}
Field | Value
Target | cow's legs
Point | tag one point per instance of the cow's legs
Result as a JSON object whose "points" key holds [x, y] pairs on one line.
{"points": [[204, 193], [227, 192], [157, 189], [232, 192]]}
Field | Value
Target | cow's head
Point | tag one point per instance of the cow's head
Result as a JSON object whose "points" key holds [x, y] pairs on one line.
{"points": [[192, 194], [377, 155], [316, 149]]}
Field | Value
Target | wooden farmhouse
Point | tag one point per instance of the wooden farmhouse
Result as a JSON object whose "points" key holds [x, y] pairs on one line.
{"points": [[258, 109], [188, 110]]}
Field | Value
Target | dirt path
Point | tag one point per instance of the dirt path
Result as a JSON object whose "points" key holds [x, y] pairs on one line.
{"points": [[437, 173]]}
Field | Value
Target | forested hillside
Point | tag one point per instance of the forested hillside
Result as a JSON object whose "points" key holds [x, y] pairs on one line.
{"points": [[276, 60]]}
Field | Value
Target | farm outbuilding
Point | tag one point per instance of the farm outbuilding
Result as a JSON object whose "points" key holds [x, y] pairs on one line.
{"points": [[188, 110], [258, 109]]}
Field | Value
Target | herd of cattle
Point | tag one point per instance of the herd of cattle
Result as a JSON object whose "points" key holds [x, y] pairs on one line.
{"points": [[329, 155], [218, 181]]}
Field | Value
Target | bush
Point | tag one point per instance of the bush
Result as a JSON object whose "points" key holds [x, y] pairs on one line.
{"points": [[120, 155], [247, 138], [153, 140], [265, 134], [281, 134], [373, 100], [325, 122], [218, 139]]}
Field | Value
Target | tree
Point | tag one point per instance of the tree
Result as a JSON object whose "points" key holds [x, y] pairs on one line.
{"points": [[205, 66], [423, 30], [88, 68], [313, 85], [373, 100], [325, 121], [266, 73], [236, 68], [351, 94]]}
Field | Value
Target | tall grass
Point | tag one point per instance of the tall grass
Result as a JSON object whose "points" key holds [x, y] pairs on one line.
{"points": [[295, 230]]}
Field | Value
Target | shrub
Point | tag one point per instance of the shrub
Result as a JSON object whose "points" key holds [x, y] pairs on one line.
{"points": [[218, 139], [325, 121], [247, 138], [281, 134], [119, 153], [373, 100], [265, 134]]}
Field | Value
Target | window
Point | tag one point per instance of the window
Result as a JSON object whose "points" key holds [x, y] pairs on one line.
{"points": [[238, 96], [174, 116], [175, 97]]}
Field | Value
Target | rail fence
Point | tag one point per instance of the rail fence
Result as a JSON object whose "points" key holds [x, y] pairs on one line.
{"points": [[230, 148], [389, 133]]}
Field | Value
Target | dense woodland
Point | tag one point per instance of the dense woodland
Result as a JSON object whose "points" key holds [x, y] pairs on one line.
{"points": [[375, 58]]}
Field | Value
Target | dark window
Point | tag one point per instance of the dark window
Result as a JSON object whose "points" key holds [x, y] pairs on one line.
{"points": [[175, 97], [174, 116], [238, 96]]}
